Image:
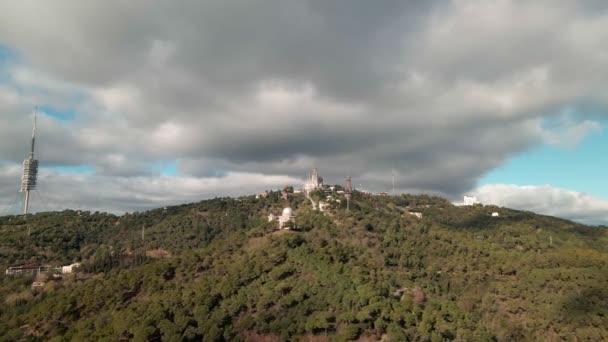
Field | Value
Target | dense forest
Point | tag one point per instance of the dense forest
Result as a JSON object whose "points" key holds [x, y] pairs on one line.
{"points": [[217, 270]]}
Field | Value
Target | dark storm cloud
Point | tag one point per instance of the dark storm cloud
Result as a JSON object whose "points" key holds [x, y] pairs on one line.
{"points": [[440, 91]]}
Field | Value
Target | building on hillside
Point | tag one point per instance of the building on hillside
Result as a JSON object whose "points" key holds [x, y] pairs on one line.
{"points": [[323, 206], [37, 285], [158, 253], [70, 268], [470, 200], [29, 269], [314, 181], [417, 214], [495, 214], [467, 200], [287, 220]]}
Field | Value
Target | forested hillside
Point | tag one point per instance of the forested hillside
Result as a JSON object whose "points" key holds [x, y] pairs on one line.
{"points": [[217, 270]]}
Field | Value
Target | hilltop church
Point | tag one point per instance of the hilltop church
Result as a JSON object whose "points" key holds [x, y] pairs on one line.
{"points": [[314, 182]]}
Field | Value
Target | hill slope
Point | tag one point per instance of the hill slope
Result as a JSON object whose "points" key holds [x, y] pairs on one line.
{"points": [[373, 272]]}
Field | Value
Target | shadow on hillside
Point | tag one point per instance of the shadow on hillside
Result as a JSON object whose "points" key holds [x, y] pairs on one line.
{"points": [[589, 304]]}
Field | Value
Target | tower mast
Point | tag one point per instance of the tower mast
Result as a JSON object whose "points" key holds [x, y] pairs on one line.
{"points": [[393, 177], [393, 174], [30, 171], [348, 192]]}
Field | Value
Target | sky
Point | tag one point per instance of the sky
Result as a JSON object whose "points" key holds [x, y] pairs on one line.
{"points": [[144, 104]]}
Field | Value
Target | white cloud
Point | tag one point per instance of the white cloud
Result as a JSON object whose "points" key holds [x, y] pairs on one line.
{"points": [[547, 200], [59, 191], [569, 133], [119, 98]]}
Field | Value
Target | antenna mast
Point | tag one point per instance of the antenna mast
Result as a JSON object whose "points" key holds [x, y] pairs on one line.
{"points": [[348, 192], [30, 170], [393, 174]]}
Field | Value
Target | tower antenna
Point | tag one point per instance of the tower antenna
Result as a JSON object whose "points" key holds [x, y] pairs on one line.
{"points": [[393, 174], [348, 192], [30, 170]]}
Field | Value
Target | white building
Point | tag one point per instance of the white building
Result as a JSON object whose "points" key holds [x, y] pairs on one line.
{"points": [[470, 200], [38, 284], [314, 181], [495, 214], [417, 214], [286, 217], [69, 268], [323, 206]]}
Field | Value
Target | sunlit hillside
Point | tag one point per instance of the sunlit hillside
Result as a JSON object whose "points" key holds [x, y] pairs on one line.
{"points": [[392, 268]]}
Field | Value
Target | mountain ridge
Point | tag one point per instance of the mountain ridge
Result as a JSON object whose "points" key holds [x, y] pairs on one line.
{"points": [[374, 272]]}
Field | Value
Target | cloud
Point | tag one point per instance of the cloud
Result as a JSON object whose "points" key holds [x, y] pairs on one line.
{"points": [[568, 132], [546, 200], [59, 191], [440, 91]]}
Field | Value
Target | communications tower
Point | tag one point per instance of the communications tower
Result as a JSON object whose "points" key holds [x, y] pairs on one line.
{"points": [[348, 192], [393, 174], [30, 171]]}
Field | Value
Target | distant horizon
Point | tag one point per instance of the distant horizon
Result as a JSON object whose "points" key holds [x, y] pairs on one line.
{"points": [[218, 196]]}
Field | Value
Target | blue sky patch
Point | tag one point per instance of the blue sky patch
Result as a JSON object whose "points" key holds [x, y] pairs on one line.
{"points": [[67, 114], [6, 54], [7, 58], [582, 168], [166, 168], [170, 169], [81, 169]]}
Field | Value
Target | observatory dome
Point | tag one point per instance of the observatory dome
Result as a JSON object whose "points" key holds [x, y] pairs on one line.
{"points": [[287, 212]]}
